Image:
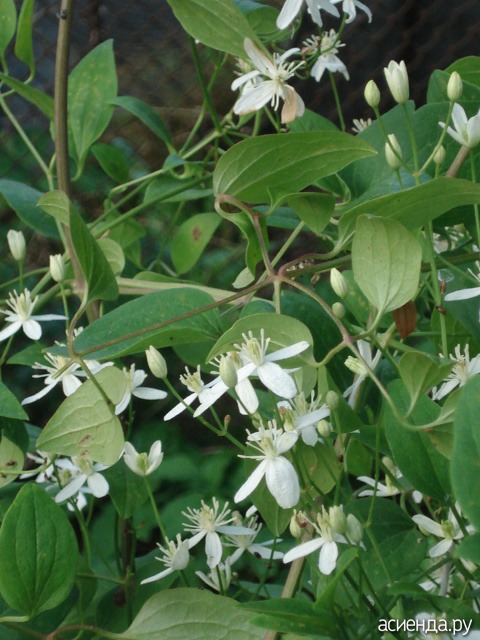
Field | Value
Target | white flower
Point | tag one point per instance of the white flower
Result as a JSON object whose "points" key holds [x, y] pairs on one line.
{"points": [[326, 542], [135, 380], [303, 416], [193, 382], [247, 543], [466, 294], [328, 60], [467, 130], [143, 464], [359, 368], [220, 578], [462, 371], [388, 489], [69, 377], [280, 474], [273, 87], [84, 471], [397, 79], [45, 472], [291, 9], [350, 8], [207, 523], [360, 124], [20, 316], [175, 558], [449, 530]]}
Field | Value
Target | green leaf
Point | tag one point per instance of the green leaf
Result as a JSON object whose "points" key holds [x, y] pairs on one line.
{"points": [[468, 68], [466, 452], [190, 240], [469, 548], [112, 161], [292, 616], [146, 114], [23, 43], [85, 423], [254, 168], [311, 121], [413, 207], [23, 200], [127, 490], [11, 459], [386, 260], [95, 267], [113, 253], [314, 209], [413, 452], [8, 22], [57, 205], [217, 23], [167, 188], [92, 85], [36, 97], [147, 311], [420, 373], [38, 553], [437, 89], [321, 464], [9, 405], [188, 613], [253, 252]]}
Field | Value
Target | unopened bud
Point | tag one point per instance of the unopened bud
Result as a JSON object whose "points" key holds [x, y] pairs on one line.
{"points": [[57, 268], [439, 157], [389, 464], [393, 152], [298, 523], [227, 420], [454, 87], [324, 428], [397, 79], [228, 371], [338, 309], [332, 400], [338, 283], [16, 244], [156, 363], [355, 366], [338, 520], [372, 94], [354, 529]]}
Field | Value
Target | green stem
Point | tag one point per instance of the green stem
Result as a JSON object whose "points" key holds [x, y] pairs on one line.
{"points": [[475, 206], [440, 141], [337, 101], [155, 510], [413, 143], [436, 287]]}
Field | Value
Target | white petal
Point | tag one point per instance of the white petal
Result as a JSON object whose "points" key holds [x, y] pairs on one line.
{"points": [[259, 59], [328, 558], [313, 417], [463, 294], [289, 111], [440, 549], [98, 485], [194, 540], [148, 393], [177, 409], [286, 441], [213, 549], [39, 395], [158, 576], [252, 482], [429, 525], [32, 329], [304, 549], [288, 13], [277, 380], [10, 330], [287, 352], [247, 396], [72, 488], [70, 384], [49, 316], [210, 396], [309, 436], [138, 378], [255, 99], [282, 482], [123, 404], [238, 82]]}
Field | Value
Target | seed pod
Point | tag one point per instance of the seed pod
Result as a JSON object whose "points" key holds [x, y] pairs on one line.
{"points": [[405, 318]]}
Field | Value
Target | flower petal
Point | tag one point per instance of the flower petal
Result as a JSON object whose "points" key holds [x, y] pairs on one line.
{"points": [[123, 404], [277, 380], [304, 549], [429, 525], [213, 549], [158, 576], [252, 482], [10, 330], [441, 548], [282, 482], [288, 13], [72, 488], [255, 99], [287, 352], [247, 395], [148, 393], [32, 329], [177, 409], [328, 558], [98, 485], [39, 395], [260, 60], [463, 294], [70, 384]]}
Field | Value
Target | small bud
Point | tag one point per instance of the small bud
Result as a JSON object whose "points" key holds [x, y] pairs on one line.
{"points": [[393, 159], [338, 520], [156, 363], [354, 529], [298, 524], [227, 420], [338, 283], [439, 157], [356, 366], [324, 428], [372, 94], [397, 79], [332, 400], [228, 371], [338, 309], [16, 244], [454, 87], [390, 465], [57, 268]]}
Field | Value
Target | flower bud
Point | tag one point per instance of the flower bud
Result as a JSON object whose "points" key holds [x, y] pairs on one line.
{"points": [[156, 363], [372, 94], [355, 366], [393, 159], [228, 371], [454, 87], [439, 157], [338, 309], [338, 283], [324, 428], [332, 400], [57, 268], [397, 80], [338, 520], [16, 244], [298, 523], [354, 529]]}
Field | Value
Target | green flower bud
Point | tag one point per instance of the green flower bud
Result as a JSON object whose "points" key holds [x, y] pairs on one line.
{"points": [[324, 428], [338, 309], [57, 268], [439, 157], [338, 520], [354, 529], [332, 400], [372, 94], [16, 244], [156, 363], [228, 371], [454, 87], [393, 159]]}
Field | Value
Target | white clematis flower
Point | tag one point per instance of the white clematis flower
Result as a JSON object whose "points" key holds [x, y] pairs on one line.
{"points": [[175, 558], [303, 416], [247, 542], [350, 8], [207, 523], [143, 464], [328, 60], [466, 294], [449, 530], [135, 380], [389, 488], [360, 124], [359, 368], [82, 471], [20, 316], [463, 370], [194, 383], [292, 8], [280, 474], [220, 578], [466, 131], [273, 86]]}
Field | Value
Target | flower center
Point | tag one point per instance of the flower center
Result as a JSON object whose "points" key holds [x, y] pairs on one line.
{"points": [[192, 381]]}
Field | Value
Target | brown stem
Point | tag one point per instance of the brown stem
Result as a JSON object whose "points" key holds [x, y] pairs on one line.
{"points": [[457, 163]]}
